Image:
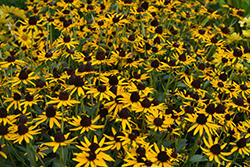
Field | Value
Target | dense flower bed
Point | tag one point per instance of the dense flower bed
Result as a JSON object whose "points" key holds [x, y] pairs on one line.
{"points": [[124, 83]]}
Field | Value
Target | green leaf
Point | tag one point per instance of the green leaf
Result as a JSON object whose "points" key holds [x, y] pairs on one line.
{"points": [[181, 85], [167, 143], [222, 2], [198, 158], [181, 145], [40, 68], [117, 162]]}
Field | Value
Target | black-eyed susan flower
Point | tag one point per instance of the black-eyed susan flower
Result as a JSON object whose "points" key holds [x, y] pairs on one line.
{"points": [[241, 146], [132, 138], [59, 140], [125, 119], [5, 118], [5, 132], [84, 124], [51, 115], [30, 100], [202, 123], [23, 132], [64, 99], [115, 141], [23, 76], [93, 153], [15, 101], [214, 151], [158, 122], [161, 156], [101, 91]]}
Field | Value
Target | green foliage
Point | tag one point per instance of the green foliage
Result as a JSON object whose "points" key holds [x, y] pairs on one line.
{"points": [[16, 3]]}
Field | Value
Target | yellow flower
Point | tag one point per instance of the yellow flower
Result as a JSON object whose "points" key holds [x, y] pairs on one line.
{"points": [[59, 140], [24, 133]]}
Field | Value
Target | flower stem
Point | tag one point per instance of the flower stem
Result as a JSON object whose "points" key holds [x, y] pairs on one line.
{"points": [[10, 155], [234, 159], [61, 157], [16, 153], [194, 148], [62, 122], [40, 159]]}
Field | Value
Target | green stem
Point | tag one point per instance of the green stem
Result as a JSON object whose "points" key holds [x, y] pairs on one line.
{"points": [[10, 155], [40, 159], [16, 153], [194, 148], [234, 159], [61, 157], [32, 50], [62, 122]]}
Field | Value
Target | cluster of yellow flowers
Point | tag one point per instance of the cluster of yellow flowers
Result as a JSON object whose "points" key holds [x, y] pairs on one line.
{"points": [[124, 83]]}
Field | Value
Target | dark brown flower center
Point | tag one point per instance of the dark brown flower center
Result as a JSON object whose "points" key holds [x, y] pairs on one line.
{"points": [[128, 1], [23, 119], [17, 96], [48, 54], [237, 53], [32, 20], [196, 84], [220, 109], [78, 82], [158, 121], [220, 84], [100, 55], [92, 156], [50, 111], [3, 130], [239, 101], [103, 112], [22, 129], [146, 103], [135, 97], [141, 151], [182, 57], [216, 149], [23, 75], [244, 87], [113, 80], [132, 136], [101, 88], [223, 77], [214, 40], [162, 156], [59, 137], [93, 147], [66, 39], [201, 119], [11, 59], [29, 97], [40, 83], [241, 143], [124, 113], [174, 155], [131, 38], [202, 32], [155, 64], [141, 86], [86, 121], [227, 116], [64, 95], [189, 109], [159, 30]]}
